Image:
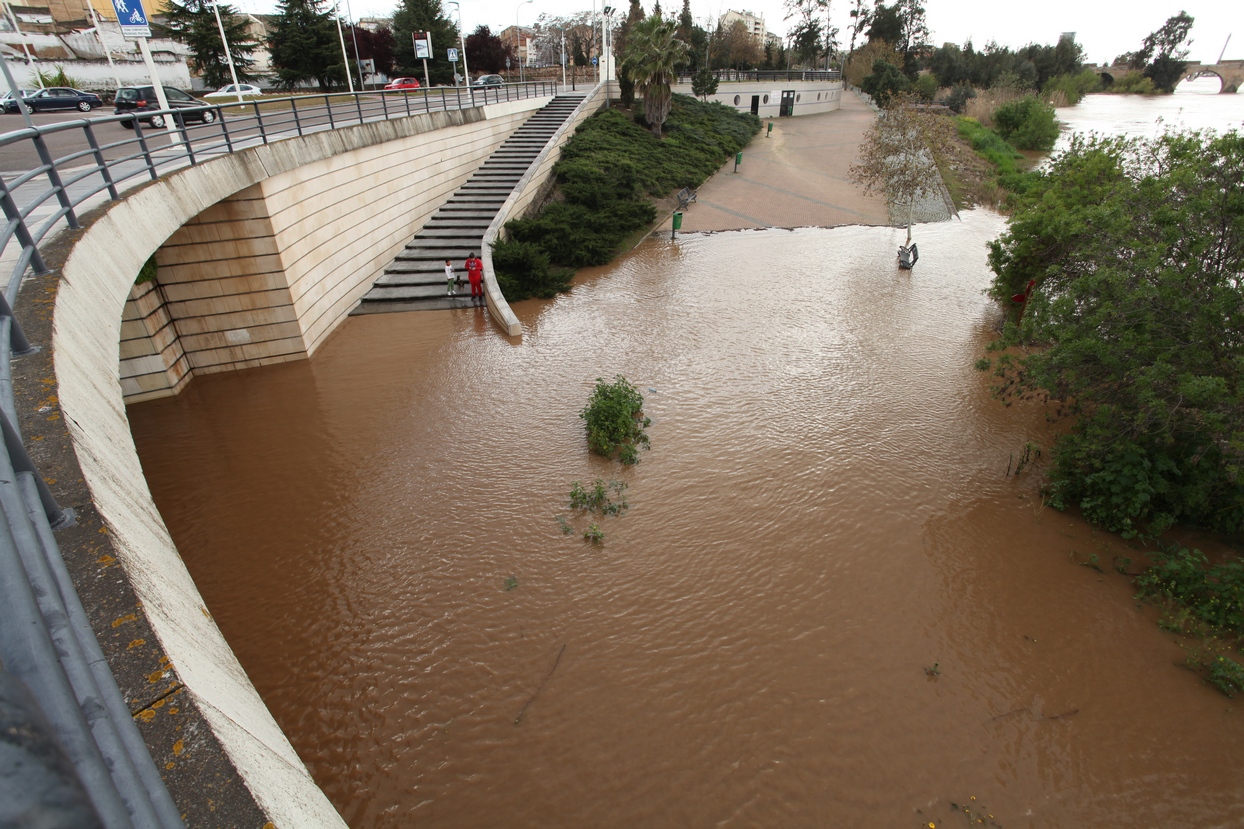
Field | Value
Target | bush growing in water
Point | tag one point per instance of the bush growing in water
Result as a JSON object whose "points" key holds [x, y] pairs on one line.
{"points": [[1028, 123], [615, 420], [523, 271]]}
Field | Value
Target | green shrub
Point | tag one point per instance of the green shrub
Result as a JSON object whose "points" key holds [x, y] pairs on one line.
{"points": [[523, 271], [610, 167], [959, 96], [1073, 87], [1005, 158], [926, 86], [1226, 675], [615, 420], [1214, 594], [1132, 84], [886, 81], [1028, 123], [148, 271]]}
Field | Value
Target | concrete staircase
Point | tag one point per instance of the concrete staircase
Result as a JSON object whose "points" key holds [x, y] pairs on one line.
{"points": [[415, 281]]}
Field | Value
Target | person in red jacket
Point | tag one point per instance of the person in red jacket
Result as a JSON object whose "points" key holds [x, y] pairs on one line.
{"points": [[475, 273]]}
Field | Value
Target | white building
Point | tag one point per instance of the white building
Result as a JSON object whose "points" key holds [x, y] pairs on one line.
{"points": [[754, 23]]}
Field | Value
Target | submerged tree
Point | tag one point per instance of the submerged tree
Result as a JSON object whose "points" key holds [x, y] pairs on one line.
{"points": [[900, 152], [653, 52], [1135, 253]]}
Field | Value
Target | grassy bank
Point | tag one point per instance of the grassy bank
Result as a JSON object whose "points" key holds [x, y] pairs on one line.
{"points": [[987, 169], [608, 176]]}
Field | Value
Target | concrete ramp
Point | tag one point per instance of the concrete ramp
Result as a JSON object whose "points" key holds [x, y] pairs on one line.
{"points": [[415, 280]]}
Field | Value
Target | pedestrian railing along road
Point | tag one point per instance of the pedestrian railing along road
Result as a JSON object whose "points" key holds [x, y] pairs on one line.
{"points": [[755, 75], [54, 680]]}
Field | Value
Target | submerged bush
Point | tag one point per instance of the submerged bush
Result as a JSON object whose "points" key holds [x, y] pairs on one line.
{"points": [[523, 271], [615, 420], [1028, 123]]}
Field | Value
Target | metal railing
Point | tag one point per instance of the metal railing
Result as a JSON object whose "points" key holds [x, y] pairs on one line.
{"points": [[46, 642], [733, 75]]}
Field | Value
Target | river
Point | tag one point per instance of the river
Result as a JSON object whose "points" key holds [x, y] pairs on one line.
{"points": [[828, 603]]}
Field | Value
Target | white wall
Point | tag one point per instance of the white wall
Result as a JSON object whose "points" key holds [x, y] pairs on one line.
{"points": [[813, 97]]}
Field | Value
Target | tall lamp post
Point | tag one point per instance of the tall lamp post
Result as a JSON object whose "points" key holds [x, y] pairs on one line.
{"points": [[345, 58], [466, 72], [224, 41], [518, 39]]}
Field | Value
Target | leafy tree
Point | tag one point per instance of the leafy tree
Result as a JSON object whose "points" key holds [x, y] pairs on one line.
{"points": [[194, 24], [806, 40], [426, 16], [1135, 249], [900, 154], [377, 46], [861, 19], [1028, 123], [304, 45], [904, 26], [1167, 48], [626, 84], [885, 24], [703, 83], [885, 83], [652, 56], [486, 52]]}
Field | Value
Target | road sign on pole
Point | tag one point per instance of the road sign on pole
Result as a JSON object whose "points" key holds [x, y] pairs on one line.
{"points": [[132, 18], [453, 55], [423, 44]]}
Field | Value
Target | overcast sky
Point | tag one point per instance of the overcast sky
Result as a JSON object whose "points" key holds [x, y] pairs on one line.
{"points": [[1104, 29]]}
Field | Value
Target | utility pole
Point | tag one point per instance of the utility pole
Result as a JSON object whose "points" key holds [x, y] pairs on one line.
{"points": [[354, 34], [345, 58], [233, 74], [25, 46], [99, 33]]}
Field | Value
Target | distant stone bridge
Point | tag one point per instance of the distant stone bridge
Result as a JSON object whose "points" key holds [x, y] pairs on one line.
{"points": [[1229, 72]]}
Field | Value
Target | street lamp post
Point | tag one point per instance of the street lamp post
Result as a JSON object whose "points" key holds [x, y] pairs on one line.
{"points": [[233, 74], [518, 39], [345, 58], [466, 72]]}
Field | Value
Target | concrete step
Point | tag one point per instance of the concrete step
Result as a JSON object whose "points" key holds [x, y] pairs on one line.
{"points": [[431, 304], [466, 234], [454, 253], [437, 223]]}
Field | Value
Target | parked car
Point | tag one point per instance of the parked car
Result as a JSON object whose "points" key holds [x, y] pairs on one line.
{"points": [[231, 91], [135, 99], [55, 97], [403, 83], [489, 80], [7, 98]]}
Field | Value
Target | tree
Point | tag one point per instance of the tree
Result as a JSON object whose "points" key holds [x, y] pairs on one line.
{"points": [[376, 46], [626, 84], [1135, 251], [1168, 48], [651, 56], [885, 83], [900, 154], [487, 52], [704, 84], [904, 26], [426, 16], [194, 24], [304, 45], [861, 19]]}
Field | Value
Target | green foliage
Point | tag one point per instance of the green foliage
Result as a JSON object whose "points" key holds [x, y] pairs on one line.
{"points": [[597, 498], [703, 83], [1133, 83], [1214, 594], [1005, 158], [1030, 67], [523, 271], [1073, 87], [1136, 249], [926, 87], [59, 78], [594, 534], [149, 271], [885, 82], [652, 55], [194, 24], [1162, 54], [610, 167], [425, 16], [1028, 123], [510, 583], [615, 420], [959, 96], [1226, 675], [304, 46]]}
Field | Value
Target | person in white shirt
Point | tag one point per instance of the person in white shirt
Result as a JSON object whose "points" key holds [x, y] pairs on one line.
{"points": [[451, 279]]}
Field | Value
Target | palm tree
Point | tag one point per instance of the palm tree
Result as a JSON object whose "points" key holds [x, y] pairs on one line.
{"points": [[652, 51]]}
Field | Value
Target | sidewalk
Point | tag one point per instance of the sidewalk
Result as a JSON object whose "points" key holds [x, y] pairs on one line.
{"points": [[795, 178]]}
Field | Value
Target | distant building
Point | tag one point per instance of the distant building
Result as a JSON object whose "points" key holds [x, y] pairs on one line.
{"points": [[375, 24], [522, 40], [754, 23]]}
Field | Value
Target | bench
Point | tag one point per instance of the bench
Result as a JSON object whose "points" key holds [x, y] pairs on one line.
{"points": [[685, 197]]}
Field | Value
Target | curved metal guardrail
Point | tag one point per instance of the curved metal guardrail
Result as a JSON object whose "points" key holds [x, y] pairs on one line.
{"points": [[48, 652], [732, 75]]}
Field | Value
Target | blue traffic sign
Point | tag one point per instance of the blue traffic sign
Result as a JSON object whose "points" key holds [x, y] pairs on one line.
{"points": [[453, 55], [593, 61], [132, 18]]}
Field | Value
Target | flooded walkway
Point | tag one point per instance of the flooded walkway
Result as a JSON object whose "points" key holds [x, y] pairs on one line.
{"points": [[798, 177], [828, 604]]}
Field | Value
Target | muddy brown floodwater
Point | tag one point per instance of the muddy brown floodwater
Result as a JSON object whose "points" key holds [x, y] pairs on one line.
{"points": [[823, 518]]}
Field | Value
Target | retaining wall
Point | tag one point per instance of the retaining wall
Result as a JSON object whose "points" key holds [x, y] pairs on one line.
{"points": [[811, 97]]}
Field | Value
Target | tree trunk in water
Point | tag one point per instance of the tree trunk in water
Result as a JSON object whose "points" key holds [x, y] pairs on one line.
{"points": [[911, 207]]}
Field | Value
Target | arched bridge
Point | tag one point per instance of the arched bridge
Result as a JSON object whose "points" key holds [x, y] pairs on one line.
{"points": [[1229, 72]]}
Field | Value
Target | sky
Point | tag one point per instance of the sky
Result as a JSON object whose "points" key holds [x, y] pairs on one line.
{"points": [[1104, 29]]}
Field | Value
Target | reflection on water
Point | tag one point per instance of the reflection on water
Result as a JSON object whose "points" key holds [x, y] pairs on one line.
{"points": [[823, 516]]}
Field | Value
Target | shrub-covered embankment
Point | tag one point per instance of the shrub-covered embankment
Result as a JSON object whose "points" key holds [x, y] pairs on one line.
{"points": [[608, 176]]}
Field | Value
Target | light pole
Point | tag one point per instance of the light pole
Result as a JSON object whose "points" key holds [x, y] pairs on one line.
{"points": [[518, 39], [345, 58], [354, 34], [228, 57], [466, 72]]}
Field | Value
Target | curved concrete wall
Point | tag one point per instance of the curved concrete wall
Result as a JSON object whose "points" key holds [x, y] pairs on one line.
{"points": [[302, 175], [811, 97]]}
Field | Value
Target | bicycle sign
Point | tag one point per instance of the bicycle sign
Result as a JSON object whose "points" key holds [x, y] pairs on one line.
{"points": [[132, 18]]}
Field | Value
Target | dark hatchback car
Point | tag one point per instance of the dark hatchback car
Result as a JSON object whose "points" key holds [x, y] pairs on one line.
{"points": [[137, 99], [56, 97], [489, 80]]}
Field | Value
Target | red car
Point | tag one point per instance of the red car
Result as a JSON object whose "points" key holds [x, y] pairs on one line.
{"points": [[403, 83]]}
